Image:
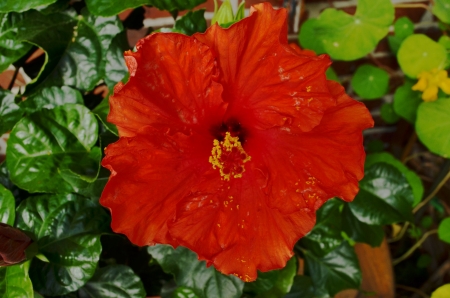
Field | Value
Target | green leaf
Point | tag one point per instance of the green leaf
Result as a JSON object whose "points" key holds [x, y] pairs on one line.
{"points": [[184, 292], [190, 272], [22, 5], [224, 15], [385, 196], [388, 114], [7, 206], [370, 82], [275, 283], [192, 22], [360, 231], [11, 49], [49, 98], [52, 150], [444, 230], [114, 7], [413, 179], [10, 112], [407, 101], [302, 287], [419, 53], [326, 234], [433, 125], [14, 282], [331, 75], [403, 27], [336, 271], [441, 292], [308, 39], [441, 9], [115, 68], [67, 229], [114, 281], [102, 111], [347, 37]]}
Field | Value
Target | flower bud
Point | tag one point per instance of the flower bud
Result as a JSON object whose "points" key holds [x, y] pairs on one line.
{"points": [[13, 243]]}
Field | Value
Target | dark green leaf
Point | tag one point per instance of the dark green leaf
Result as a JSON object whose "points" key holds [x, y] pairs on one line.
{"points": [[407, 101], [114, 281], [433, 125], [102, 111], [192, 22], [420, 53], [7, 206], [413, 179], [444, 230], [370, 82], [22, 5], [49, 98], [349, 37], [115, 68], [275, 283], [304, 288], [388, 114], [385, 196], [67, 229], [184, 292], [403, 27], [331, 75], [11, 49], [337, 271], [190, 272], [359, 231], [52, 150], [308, 39], [114, 7], [394, 43], [10, 112], [14, 282], [326, 234]]}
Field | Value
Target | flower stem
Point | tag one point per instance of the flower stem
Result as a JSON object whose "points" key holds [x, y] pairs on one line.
{"points": [[414, 247], [413, 5], [444, 171]]}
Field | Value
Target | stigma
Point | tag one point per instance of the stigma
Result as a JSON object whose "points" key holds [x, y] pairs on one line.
{"points": [[229, 157]]}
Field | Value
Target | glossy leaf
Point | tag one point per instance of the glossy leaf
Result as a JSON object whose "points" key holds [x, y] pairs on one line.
{"points": [[7, 206], [302, 287], [11, 49], [49, 98], [52, 150], [192, 22], [326, 234], [349, 37], [370, 82], [14, 282], [114, 7], [114, 281], [336, 271], [67, 229], [385, 196], [433, 125], [102, 111], [10, 112], [22, 5], [388, 114], [73, 49], [407, 101], [190, 272], [308, 39], [115, 68], [184, 292], [444, 230], [359, 231], [413, 179], [441, 9], [419, 53], [275, 283]]}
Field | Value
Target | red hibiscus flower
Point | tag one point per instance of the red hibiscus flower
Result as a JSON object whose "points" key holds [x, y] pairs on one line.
{"points": [[13, 243], [229, 142]]}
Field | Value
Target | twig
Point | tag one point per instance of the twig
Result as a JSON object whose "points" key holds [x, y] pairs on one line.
{"points": [[400, 234], [434, 279], [409, 147], [14, 77], [381, 65], [412, 5], [414, 247], [411, 289]]}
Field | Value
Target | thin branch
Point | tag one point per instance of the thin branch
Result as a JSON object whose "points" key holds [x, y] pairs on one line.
{"points": [[433, 193], [411, 289], [400, 234], [412, 140], [413, 5], [414, 247]]}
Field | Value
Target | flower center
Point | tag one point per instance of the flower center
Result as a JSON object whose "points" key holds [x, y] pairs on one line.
{"points": [[229, 157]]}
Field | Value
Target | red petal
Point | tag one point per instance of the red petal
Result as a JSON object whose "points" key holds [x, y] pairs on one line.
{"points": [[13, 243], [171, 85], [306, 169], [264, 77], [150, 174]]}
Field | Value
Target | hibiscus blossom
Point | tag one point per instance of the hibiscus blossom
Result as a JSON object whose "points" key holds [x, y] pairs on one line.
{"points": [[229, 142]]}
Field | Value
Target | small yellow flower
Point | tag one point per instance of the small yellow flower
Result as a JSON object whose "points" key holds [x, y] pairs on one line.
{"points": [[430, 81]]}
